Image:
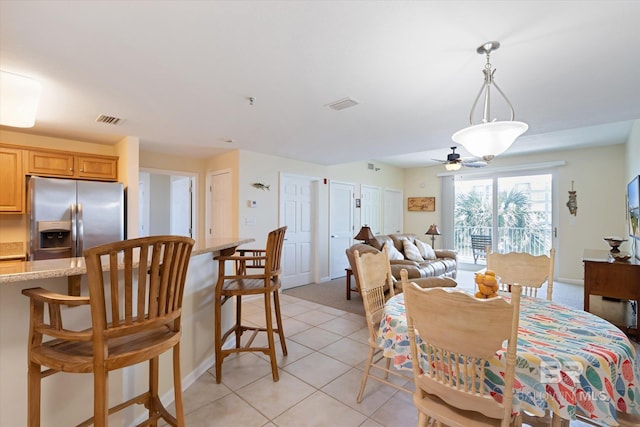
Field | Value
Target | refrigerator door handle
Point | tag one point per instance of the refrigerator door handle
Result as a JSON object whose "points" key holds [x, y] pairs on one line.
{"points": [[80, 231], [74, 226]]}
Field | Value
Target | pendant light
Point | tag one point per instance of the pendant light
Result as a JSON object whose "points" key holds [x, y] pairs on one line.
{"points": [[491, 137]]}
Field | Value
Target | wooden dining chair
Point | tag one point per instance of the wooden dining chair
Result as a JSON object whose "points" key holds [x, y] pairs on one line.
{"points": [[530, 271], [256, 272], [458, 336], [135, 297], [376, 286]]}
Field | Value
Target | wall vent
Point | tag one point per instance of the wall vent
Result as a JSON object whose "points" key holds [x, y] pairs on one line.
{"points": [[342, 104], [110, 120]]}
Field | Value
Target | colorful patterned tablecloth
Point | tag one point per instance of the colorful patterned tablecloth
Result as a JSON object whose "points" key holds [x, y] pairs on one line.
{"points": [[569, 361]]}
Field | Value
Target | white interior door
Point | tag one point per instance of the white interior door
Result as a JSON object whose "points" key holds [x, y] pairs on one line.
{"points": [[393, 208], [371, 208], [219, 218], [143, 210], [340, 226], [296, 212], [181, 196]]}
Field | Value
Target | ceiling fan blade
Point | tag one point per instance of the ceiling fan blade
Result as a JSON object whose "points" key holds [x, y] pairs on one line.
{"points": [[474, 164]]}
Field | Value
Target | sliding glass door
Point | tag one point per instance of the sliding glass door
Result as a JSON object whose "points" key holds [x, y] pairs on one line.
{"points": [[514, 213]]}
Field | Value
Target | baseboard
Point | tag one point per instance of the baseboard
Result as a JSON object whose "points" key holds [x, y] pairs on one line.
{"points": [[570, 281]]}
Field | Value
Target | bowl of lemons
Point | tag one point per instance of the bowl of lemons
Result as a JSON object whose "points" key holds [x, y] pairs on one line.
{"points": [[487, 284]]}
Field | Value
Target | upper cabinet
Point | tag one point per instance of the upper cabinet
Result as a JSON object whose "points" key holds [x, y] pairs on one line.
{"points": [[73, 165], [12, 180], [50, 163], [94, 167], [18, 161]]}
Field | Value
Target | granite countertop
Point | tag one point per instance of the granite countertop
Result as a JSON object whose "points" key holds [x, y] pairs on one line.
{"points": [[20, 271]]}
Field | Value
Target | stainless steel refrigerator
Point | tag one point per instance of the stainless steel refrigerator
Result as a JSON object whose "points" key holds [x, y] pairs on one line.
{"points": [[68, 216]]}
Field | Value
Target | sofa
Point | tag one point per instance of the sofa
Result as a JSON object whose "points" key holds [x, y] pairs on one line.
{"points": [[442, 262]]}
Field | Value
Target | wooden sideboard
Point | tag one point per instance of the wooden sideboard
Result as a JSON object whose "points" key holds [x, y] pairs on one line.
{"points": [[604, 276]]}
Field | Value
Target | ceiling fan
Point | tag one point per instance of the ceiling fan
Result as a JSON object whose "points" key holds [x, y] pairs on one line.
{"points": [[455, 162]]}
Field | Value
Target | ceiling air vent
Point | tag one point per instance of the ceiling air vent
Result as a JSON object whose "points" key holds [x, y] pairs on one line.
{"points": [[110, 120], [343, 103]]}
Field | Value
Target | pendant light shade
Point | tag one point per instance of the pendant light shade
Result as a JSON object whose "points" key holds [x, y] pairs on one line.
{"points": [[487, 140], [491, 137]]}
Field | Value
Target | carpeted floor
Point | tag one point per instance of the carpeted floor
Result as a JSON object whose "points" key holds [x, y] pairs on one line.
{"points": [[331, 293]]}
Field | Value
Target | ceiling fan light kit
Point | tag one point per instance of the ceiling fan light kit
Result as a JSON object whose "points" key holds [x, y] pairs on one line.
{"points": [[454, 162], [452, 167], [491, 137]]}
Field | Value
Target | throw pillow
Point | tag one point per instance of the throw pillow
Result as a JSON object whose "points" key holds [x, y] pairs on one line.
{"points": [[411, 251], [394, 254], [425, 250]]}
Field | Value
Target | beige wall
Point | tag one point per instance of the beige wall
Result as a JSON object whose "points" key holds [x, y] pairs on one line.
{"points": [[128, 150], [263, 168], [600, 181], [422, 182]]}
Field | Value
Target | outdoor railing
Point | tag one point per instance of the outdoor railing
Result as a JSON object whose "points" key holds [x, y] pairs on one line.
{"points": [[536, 241]]}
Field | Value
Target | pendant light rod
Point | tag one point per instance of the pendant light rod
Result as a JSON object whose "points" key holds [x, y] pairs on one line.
{"points": [[486, 49]]}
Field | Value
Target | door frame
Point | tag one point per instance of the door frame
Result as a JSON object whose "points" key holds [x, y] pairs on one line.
{"points": [[315, 214], [194, 198]]}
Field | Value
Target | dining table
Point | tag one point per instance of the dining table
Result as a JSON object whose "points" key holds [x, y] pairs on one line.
{"points": [[569, 361]]}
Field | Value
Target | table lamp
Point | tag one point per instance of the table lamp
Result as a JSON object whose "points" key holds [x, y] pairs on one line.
{"points": [[433, 231], [364, 234]]}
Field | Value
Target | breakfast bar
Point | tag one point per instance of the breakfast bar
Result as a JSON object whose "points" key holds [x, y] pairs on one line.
{"points": [[68, 399]]}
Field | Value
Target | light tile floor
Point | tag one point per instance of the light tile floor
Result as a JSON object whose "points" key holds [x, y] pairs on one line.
{"points": [[319, 379]]}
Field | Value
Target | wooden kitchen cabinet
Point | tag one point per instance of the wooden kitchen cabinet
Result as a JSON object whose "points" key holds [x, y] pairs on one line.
{"points": [[614, 279], [12, 181], [49, 163], [93, 167], [72, 165]]}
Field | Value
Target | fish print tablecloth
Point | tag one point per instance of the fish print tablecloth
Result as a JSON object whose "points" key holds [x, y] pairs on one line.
{"points": [[569, 361]]}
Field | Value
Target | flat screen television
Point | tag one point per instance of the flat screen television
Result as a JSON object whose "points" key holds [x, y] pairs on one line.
{"points": [[633, 206]]}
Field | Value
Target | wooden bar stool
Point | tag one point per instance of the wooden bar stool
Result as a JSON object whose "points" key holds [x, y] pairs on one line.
{"points": [[144, 309], [244, 282]]}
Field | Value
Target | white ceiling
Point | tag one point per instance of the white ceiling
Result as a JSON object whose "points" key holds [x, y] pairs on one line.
{"points": [[180, 73]]}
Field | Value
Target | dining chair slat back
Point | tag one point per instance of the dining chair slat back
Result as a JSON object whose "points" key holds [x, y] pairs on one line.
{"points": [[529, 271], [376, 286], [459, 335]]}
